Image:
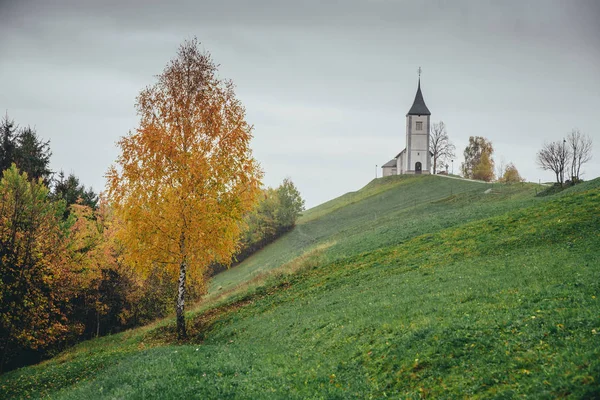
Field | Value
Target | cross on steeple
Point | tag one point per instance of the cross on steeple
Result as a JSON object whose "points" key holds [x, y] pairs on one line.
{"points": [[419, 107]]}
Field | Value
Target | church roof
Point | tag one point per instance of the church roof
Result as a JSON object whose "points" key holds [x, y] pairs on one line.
{"points": [[391, 163], [419, 107]]}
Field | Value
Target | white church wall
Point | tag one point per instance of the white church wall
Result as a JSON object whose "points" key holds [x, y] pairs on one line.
{"points": [[419, 156], [423, 120], [400, 162], [419, 142], [387, 171]]}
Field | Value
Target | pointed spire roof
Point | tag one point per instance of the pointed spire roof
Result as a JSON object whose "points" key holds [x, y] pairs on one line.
{"points": [[419, 107]]}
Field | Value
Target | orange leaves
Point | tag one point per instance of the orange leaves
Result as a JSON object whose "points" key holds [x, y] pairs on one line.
{"points": [[511, 175], [182, 178], [187, 170], [31, 250]]}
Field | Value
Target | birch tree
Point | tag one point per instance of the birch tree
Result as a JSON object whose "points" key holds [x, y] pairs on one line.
{"points": [[186, 175]]}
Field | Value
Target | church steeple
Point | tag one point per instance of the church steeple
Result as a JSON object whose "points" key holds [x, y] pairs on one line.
{"points": [[419, 107], [416, 157]]}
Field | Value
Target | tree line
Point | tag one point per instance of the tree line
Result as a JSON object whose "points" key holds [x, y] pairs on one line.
{"points": [[62, 278], [275, 213], [478, 161], [184, 195], [564, 158], [60, 275]]}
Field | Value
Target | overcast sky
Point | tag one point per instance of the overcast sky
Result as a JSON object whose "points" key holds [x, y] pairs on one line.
{"points": [[326, 84]]}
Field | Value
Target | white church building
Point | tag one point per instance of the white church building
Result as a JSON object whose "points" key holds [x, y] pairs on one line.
{"points": [[415, 158]]}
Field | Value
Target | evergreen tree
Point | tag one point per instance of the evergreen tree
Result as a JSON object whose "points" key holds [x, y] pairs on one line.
{"points": [[8, 132], [25, 149], [32, 155], [72, 191]]}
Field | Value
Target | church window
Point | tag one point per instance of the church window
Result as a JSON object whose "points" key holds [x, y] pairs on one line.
{"points": [[419, 125]]}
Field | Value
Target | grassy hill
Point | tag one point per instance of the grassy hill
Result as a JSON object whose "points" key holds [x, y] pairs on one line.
{"points": [[412, 287]]}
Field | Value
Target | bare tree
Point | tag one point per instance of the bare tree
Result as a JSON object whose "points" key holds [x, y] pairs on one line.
{"points": [[501, 168], [580, 147], [554, 156], [439, 145]]}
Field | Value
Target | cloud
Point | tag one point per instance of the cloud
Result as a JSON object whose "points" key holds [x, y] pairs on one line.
{"points": [[326, 84]]}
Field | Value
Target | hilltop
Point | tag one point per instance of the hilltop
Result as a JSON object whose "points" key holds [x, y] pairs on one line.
{"points": [[411, 287]]}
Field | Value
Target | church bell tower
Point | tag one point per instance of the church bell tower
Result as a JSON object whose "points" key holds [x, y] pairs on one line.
{"points": [[417, 159]]}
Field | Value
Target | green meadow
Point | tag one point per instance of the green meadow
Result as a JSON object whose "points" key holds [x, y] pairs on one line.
{"points": [[412, 287]]}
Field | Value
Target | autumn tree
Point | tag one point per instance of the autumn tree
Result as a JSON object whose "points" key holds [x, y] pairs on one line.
{"points": [[110, 294], [186, 176], [85, 250], [33, 277], [580, 149], [511, 174], [261, 223], [478, 162], [440, 146], [484, 169], [554, 156], [274, 214]]}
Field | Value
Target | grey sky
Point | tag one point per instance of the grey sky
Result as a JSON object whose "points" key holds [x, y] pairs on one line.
{"points": [[326, 84]]}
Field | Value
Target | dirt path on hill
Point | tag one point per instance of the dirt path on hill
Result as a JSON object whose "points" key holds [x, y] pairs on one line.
{"points": [[463, 179]]}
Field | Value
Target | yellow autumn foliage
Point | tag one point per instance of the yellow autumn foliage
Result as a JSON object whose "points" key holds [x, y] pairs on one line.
{"points": [[186, 175]]}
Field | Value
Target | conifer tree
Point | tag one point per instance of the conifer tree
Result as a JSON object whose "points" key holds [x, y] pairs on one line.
{"points": [[32, 155], [8, 132]]}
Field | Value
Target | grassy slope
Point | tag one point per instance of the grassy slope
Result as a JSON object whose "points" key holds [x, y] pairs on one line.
{"points": [[387, 210], [469, 294]]}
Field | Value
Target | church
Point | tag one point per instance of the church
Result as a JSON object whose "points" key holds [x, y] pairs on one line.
{"points": [[416, 157]]}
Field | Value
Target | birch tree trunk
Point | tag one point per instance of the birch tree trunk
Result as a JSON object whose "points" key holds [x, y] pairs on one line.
{"points": [[180, 308]]}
